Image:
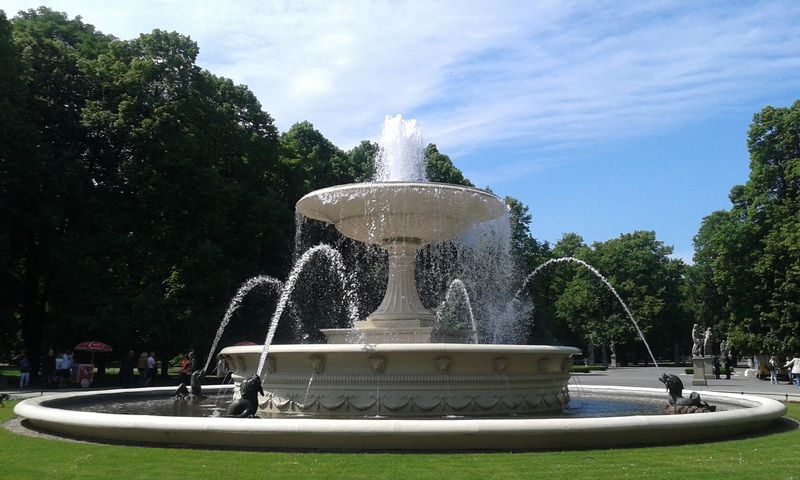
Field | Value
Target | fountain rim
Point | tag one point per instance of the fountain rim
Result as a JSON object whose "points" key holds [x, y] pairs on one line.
{"points": [[396, 183], [450, 434], [402, 347], [372, 187]]}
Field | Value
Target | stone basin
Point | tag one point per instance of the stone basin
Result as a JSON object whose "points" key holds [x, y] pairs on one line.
{"points": [[407, 380]]}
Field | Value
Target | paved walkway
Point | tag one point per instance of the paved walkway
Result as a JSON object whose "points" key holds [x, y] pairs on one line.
{"points": [[648, 377]]}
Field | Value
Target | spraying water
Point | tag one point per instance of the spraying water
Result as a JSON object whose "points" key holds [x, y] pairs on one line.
{"points": [[256, 282], [603, 279], [335, 258], [458, 286], [486, 263], [402, 155]]}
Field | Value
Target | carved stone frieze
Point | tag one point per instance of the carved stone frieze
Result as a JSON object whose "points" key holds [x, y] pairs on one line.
{"points": [[420, 403], [443, 364]]}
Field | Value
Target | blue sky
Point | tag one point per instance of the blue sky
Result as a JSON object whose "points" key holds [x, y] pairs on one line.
{"points": [[604, 117]]}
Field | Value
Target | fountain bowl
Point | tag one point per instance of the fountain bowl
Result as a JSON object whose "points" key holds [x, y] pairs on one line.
{"points": [[738, 414], [387, 212]]}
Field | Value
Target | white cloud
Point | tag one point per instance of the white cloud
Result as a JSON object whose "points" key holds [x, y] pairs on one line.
{"points": [[538, 75]]}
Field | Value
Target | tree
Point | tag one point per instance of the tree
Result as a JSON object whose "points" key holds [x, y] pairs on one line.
{"points": [[47, 188], [750, 255], [191, 163], [440, 168], [638, 266], [145, 193], [17, 143]]}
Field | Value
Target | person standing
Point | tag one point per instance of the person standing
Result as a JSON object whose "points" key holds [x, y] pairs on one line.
{"points": [[151, 370], [65, 368], [24, 372], [141, 367], [715, 366], [795, 364], [48, 367], [126, 369], [184, 372], [728, 367], [773, 370]]}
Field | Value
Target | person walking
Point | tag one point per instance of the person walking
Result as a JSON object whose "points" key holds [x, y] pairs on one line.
{"points": [[728, 367], [795, 363], [24, 372], [773, 370]]}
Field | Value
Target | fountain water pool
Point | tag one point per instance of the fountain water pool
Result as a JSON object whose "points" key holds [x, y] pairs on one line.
{"points": [[742, 413], [400, 388]]}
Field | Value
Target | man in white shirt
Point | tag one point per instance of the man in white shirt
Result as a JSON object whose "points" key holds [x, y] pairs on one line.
{"points": [[151, 370], [65, 368]]}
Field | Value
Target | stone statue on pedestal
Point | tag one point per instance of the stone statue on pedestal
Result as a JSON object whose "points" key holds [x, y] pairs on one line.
{"points": [[697, 341], [708, 343], [676, 403], [247, 405]]}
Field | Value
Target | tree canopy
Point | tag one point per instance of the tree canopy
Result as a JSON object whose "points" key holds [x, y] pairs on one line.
{"points": [[138, 191], [748, 257]]}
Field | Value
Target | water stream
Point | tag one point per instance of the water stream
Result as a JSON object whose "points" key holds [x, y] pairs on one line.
{"points": [[335, 258], [260, 281], [458, 286], [603, 279]]}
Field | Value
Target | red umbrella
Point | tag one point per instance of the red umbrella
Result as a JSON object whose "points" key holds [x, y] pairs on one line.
{"points": [[93, 346], [244, 344]]}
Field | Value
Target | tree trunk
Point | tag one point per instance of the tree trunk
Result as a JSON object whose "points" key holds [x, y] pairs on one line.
{"points": [[33, 310]]}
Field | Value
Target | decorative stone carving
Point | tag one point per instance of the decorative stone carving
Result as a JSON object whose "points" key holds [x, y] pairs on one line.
{"points": [[443, 364], [403, 404], [543, 365], [499, 364], [355, 381], [197, 383], [676, 403], [272, 365], [317, 363], [378, 363], [708, 342], [247, 405], [697, 341]]}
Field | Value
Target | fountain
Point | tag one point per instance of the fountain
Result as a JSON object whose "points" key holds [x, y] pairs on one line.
{"points": [[401, 349], [409, 382]]}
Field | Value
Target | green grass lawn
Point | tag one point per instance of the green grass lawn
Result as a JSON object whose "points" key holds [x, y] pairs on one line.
{"points": [[774, 456]]}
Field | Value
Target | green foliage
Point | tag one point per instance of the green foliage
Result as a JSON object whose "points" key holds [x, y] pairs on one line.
{"points": [[47, 189], [748, 258], [440, 168], [638, 266], [149, 194], [524, 247]]}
